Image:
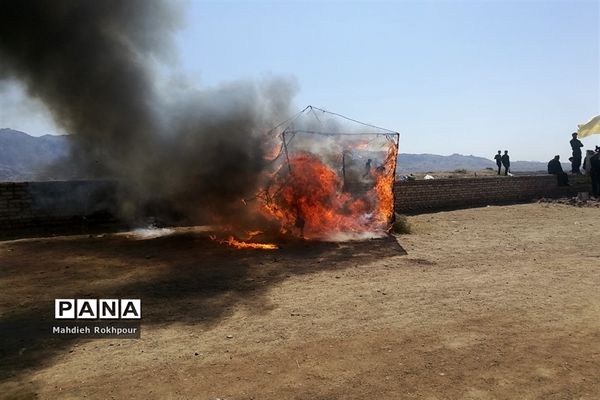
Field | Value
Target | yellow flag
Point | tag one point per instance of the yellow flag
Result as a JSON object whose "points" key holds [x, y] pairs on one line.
{"points": [[592, 127]]}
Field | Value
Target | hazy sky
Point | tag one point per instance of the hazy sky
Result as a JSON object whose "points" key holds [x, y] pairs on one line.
{"points": [[468, 77]]}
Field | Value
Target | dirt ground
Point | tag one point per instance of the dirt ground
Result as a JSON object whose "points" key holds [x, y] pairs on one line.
{"points": [[487, 303]]}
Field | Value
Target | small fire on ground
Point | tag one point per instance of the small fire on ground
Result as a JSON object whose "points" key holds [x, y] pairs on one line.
{"points": [[238, 244]]}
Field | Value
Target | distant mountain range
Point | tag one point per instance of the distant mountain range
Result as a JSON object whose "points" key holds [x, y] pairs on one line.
{"points": [[410, 163], [24, 157]]}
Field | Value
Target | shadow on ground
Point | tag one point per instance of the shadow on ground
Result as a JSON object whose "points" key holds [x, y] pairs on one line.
{"points": [[182, 278]]}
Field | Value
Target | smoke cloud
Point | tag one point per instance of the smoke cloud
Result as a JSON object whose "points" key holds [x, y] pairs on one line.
{"points": [[91, 63]]}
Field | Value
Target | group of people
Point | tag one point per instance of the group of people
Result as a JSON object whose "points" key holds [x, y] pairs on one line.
{"points": [[591, 165], [503, 160]]}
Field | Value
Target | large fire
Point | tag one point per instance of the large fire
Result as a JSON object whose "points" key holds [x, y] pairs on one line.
{"points": [[311, 201], [324, 185]]}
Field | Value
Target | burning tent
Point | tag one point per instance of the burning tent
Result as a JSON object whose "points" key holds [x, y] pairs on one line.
{"points": [[332, 177]]}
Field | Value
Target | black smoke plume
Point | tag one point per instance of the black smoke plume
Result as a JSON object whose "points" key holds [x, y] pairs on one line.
{"points": [[92, 63]]}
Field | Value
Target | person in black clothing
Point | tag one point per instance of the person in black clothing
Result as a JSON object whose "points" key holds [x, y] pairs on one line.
{"points": [[576, 146], [367, 168], [555, 168], [595, 172], [506, 162], [498, 158]]}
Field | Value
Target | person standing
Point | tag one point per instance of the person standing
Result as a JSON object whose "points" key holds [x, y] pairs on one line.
{"points": [[506, 162], [367, 168], [576, 146], [595, 172], [498, 158]]}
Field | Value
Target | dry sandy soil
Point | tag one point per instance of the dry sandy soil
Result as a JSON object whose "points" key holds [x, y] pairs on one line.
{"points": [[488, 303]]}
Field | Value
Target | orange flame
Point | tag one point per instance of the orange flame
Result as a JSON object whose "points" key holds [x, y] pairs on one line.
{"points": [[311, 200], [238, 244], [384, 187], [251, 234]]}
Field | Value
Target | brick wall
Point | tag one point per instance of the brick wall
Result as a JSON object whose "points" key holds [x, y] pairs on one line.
{"points": [[50, 205], [29, 205], [444, 194]]}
